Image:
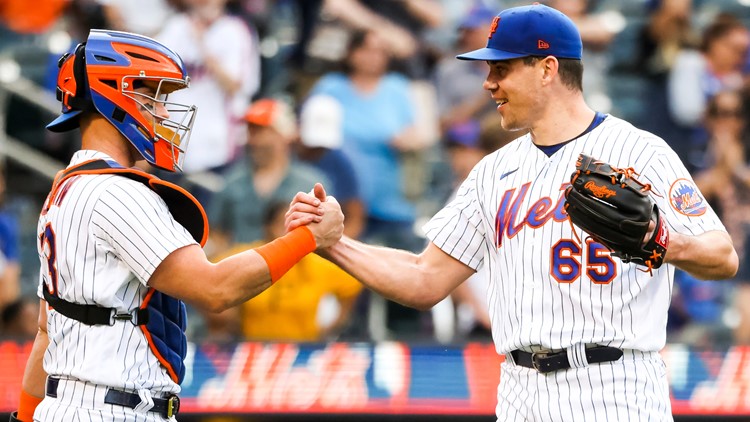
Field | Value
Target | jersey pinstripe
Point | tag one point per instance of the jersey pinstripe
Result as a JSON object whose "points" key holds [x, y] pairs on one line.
{"points": [[545, 288], [110, 234]]}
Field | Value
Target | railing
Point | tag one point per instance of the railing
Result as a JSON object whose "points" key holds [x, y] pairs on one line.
{"points": [[14, 149]]}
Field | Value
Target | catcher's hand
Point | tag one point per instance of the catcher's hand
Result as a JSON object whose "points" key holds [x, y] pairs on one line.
{"points": [[615, 209]]}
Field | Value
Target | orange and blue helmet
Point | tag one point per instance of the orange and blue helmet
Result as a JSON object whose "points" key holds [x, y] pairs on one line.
{"points": [[102, 75]]}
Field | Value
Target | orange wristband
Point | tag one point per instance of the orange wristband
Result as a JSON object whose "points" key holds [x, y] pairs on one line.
{"points": [[286, 251], [26, 406]]}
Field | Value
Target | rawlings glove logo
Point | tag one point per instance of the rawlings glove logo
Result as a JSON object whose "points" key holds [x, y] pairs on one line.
{"points": [[601, 192]]}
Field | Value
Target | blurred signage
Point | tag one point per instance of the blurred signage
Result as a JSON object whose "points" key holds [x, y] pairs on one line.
{"points": [[393, 378]]}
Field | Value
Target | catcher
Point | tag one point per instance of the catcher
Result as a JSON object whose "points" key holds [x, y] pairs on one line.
{"points": [[120, 250]]}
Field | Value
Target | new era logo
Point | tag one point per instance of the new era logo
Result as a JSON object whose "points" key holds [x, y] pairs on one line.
{"points": [[542, 45]]}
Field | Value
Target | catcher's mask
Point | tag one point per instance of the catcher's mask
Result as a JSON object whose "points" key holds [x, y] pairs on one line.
{"points": [[103, 75]]}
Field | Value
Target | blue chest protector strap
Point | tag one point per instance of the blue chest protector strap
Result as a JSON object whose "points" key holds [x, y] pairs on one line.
{"points": [[161, 318]]}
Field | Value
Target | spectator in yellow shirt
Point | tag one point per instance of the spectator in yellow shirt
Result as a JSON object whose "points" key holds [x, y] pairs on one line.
{"points": [[296, 307]]}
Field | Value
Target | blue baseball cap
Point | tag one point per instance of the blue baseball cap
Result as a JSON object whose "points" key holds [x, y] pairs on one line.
{"points": [[535, 30]]}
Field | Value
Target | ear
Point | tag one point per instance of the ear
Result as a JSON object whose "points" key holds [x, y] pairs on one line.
{"points": [[550, 67]]}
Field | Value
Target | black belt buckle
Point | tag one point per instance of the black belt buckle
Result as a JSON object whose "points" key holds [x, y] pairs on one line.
{"points": [[537, 364], [173, 406], [136, 317]]}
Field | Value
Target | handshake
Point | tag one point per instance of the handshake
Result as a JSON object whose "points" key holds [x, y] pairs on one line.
{"points": [[320, 212]]}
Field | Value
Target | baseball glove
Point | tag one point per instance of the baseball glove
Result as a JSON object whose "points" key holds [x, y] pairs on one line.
{"points": [[615, 209]]}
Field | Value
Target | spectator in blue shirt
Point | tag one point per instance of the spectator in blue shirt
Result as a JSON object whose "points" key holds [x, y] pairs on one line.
{"points": [[379, 124]]}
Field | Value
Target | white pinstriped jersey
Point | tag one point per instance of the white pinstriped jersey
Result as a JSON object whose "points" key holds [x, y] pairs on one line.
{"points": [[110, 234], [545, 288]]}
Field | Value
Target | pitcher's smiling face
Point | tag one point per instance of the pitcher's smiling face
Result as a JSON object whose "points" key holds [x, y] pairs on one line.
{"points": [[516, 88]]}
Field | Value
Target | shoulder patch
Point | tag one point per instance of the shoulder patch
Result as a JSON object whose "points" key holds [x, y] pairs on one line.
{"points": [[686, 199]]}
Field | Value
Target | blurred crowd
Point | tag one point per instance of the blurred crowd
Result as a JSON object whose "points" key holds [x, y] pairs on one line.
{"points": [[367, 97]]}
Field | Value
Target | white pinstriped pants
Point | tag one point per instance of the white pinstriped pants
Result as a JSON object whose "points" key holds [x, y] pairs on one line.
{"points": [[83, 401], [633, 388]]}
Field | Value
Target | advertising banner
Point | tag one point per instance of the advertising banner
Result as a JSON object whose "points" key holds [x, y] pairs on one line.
{"points": [[392, 378]]}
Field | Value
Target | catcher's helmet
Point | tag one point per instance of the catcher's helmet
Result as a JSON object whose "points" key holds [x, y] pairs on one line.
{"points": [[103, 74]]}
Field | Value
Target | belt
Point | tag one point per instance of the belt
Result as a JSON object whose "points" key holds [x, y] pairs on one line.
{"points": [[545, 362], [166, 407]]}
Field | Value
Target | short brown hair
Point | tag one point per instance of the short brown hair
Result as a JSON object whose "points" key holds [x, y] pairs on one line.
{"points": [[357, 39], [723, 24], [570, 70]]}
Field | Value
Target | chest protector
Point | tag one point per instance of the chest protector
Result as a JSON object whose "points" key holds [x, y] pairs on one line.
{"points": [[161, 318]]}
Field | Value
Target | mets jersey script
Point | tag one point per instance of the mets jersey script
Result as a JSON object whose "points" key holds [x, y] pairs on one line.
{"points": [[545, 287], [102, 238]]}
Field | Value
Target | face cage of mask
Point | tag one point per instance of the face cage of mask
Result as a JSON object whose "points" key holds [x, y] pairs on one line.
{"points": [[175, 131]]}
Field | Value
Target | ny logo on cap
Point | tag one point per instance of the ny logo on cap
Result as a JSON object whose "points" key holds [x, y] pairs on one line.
{"points": [[493, 27], [542, 45]]}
